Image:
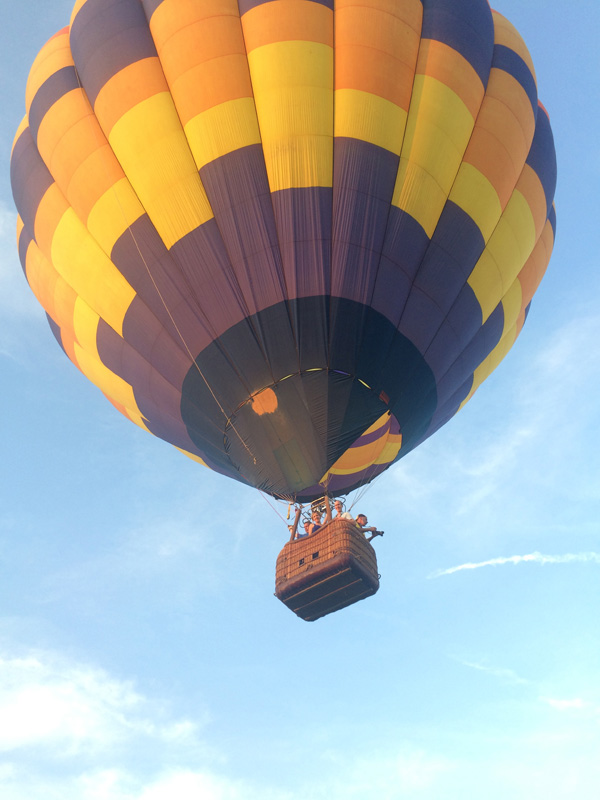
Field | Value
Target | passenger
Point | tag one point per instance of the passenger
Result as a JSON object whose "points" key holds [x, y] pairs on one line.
{"points": [[307, 524], [340, 513], [315, 524], [361, 521]]}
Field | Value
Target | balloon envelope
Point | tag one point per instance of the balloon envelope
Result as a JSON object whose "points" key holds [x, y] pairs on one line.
{"points": [[291, 239]]}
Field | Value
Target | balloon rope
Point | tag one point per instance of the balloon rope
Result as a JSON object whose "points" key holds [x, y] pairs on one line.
{"points": [[266, 498], [365, 484], [361, 492]]}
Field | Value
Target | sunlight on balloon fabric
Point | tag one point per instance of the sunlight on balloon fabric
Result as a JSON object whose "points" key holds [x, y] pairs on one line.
{"points": [[290, 240]]}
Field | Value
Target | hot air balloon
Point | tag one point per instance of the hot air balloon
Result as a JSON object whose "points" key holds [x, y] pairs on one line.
{"points": [[290, 237]]}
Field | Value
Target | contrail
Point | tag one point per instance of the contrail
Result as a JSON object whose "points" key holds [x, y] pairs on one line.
{"points": [[538, 558]]}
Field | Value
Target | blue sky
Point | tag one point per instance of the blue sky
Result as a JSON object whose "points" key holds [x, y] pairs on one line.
{"points": [[142, 653]]}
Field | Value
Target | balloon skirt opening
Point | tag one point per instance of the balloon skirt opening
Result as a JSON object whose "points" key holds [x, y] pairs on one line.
{"points": [[279, 410]]}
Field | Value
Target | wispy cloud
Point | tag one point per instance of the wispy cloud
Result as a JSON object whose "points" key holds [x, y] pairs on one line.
{"points": [[502, 673], [21, 317], [119, 784], [95, 737], [408, 772], [174, 555], [536, 558], [575, 704], [497, 442], [16, 299]]}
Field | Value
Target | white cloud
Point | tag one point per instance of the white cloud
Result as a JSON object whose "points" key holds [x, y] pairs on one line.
{"points": [[52, 705], [69, 731], [118, 784], [88, 740], [536, 558]]}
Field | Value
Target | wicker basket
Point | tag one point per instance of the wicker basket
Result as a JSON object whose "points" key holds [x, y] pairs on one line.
{"points": [[320, 574]]}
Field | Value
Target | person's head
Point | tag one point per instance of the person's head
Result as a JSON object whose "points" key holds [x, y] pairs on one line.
{"points": [[306, 524], [361, 519], [338, 505], [316, 516]]}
